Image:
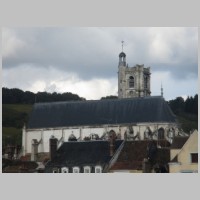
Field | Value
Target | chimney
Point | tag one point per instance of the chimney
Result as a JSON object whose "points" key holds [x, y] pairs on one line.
{"points": [[146, 166], [34, 150], [53, 142], [112, 143]]}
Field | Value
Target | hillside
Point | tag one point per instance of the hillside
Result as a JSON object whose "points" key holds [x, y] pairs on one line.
{"points": [[13, 118], [17, 106]]}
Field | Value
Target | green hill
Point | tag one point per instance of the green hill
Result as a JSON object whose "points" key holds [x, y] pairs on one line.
{"points": [[13, 118]]}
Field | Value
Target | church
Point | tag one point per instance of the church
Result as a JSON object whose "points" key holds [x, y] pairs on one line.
{"points": [[135, 115]]}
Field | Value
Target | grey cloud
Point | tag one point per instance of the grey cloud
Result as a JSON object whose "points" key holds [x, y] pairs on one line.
{"points": [[93, 52]]}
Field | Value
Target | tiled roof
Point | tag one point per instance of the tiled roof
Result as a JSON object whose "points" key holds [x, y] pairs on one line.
{"points": [[21, 166], [134, 152], [178, 142], [99, 112]]}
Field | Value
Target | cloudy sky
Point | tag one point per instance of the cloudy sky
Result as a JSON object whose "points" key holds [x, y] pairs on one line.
{"points": [[84, 61]]}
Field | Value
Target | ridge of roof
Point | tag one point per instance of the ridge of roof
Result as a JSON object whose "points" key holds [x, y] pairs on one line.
{"points": [[96, 100]]}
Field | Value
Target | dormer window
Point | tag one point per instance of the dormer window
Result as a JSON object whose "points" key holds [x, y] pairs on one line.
{"points": [[64, 170], [76, 169], [55, 170], [87, 169], [98, 169]]}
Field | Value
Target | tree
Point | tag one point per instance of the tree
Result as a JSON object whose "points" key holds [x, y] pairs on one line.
{"points": [[109, 97]]}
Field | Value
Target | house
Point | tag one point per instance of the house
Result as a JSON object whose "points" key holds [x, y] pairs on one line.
{"points": [[18, 166], [142, 156], [186, 159], [81, 156]]}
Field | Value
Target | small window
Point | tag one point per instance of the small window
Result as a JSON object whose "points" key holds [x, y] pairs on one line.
{"points": [[131, 82], [87, 169], [98, 169], [55, 170], [76, 169], [194, 157], [65, 170]]}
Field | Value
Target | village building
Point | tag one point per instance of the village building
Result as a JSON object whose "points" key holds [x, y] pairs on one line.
{"points": [[142, 156], [81, 157], [185, 158]]}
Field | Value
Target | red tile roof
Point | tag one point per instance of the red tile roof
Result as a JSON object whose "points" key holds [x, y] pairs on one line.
{"points": [[133, 153]]}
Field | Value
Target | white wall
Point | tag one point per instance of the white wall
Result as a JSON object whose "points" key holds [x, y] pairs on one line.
{"points": [[45, 134]]}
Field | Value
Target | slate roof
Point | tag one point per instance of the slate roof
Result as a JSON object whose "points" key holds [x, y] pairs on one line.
{"points": [[99, 112], [133, 153], [84, 153], [178, 142]]}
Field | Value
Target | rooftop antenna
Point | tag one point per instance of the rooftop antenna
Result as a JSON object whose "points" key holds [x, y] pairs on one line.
{"points": [[122, 45]]}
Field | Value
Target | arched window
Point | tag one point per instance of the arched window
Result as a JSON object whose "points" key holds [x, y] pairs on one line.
{"points": [[145, 82], [161, 134], [131, 82]]}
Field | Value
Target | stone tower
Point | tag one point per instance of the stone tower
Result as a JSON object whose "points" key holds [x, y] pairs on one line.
{"points": [[132, 81]]}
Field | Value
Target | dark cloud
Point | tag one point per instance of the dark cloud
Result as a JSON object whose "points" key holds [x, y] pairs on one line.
{"points": [[93, 52]]}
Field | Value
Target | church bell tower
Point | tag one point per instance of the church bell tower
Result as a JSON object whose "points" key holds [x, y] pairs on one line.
{"points": [[132, 81]]}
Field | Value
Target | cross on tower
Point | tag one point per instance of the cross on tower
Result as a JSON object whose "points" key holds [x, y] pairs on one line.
{"points": [[122, 45]]}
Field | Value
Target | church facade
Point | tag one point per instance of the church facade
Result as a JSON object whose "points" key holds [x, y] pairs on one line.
{"points": [[135, 115]]}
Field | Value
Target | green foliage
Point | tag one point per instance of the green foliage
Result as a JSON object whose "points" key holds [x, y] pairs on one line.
{"points": [[11, 135], [17, 96], [186, 111], [190, 105], [13, 118], [109, 97], [15, 115], [187, 123]]}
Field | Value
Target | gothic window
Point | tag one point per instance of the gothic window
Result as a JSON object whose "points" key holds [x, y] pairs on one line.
{"points": [[161, 134], [131, 82], [145, 82]]}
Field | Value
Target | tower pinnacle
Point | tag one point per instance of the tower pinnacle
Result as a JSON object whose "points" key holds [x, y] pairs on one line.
{"points": [[161, 90]]}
